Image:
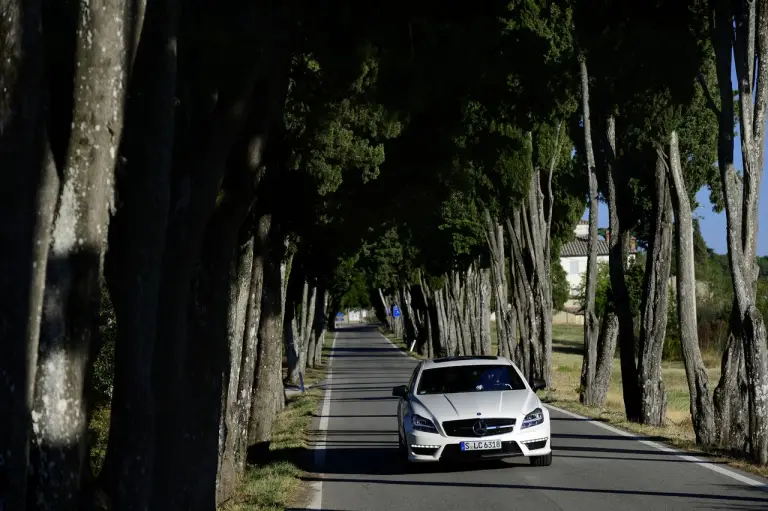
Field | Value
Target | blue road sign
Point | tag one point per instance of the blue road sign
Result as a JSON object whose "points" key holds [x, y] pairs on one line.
{"points": [[395, 311]]}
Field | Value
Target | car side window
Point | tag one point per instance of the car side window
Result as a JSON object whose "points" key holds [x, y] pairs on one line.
{"points": [[413, 379]]}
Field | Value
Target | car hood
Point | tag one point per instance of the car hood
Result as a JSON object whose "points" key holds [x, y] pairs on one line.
{"points": [[508, 403]]}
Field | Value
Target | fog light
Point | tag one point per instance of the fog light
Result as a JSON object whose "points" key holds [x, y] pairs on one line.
{"points": [[534, 441]]}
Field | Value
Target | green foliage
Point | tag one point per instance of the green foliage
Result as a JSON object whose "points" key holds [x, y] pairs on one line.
{"points": [[357, 296], [560, 288], [762, 263], [634, 275], [601, 293], [102, 380]]}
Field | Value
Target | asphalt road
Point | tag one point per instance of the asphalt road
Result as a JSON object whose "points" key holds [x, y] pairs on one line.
{"points": [[594, 468]]}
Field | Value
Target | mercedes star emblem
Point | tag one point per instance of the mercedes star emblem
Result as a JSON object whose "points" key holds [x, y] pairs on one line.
{"points": [[480, 428]]}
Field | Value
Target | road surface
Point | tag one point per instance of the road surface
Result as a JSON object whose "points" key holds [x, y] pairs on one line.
{"points": [[594, 468]]}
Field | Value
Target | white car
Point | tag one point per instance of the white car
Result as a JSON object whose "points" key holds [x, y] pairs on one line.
{"points": [[472, 408]]}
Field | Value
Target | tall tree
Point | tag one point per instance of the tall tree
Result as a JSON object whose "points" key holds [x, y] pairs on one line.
{"points": [[748, 44]]}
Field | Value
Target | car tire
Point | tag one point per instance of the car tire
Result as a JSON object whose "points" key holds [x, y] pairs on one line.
{"points": [[402, 448], [541, 461]]}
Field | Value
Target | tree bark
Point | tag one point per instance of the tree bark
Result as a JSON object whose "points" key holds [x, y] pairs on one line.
{"points": [[702, 411], [411, 329], [78, 244], [268, 381], [528, 321], [133, 263], [193, 202], [606, 348], [310, 336], [653, 321], [320, 326], [239, 298], [591, 325], [617, 262], [540, 222], [250, 341], [27, 203], [484, 310], [381, 310]]}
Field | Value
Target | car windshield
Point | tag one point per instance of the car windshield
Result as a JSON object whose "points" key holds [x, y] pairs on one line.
{"points": [[469, 378]]}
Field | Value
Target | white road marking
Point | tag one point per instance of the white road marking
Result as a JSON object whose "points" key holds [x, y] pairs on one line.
{"points": [[317, 501], [393, 345], [660, 447]]}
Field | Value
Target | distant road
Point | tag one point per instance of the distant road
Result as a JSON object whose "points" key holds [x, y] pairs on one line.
{"points": [[594, 468]]}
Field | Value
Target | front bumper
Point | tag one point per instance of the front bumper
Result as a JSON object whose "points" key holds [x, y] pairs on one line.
{"points": [[433, 447]]}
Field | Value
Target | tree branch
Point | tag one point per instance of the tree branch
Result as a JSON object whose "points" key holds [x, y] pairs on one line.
{"points": [[710, 101]]}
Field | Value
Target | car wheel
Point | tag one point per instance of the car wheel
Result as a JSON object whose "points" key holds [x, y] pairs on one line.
{"points": [[402, 448], [541, 461]]}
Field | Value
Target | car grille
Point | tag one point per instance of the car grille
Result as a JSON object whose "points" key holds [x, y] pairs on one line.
{"points": [[466, 427]]}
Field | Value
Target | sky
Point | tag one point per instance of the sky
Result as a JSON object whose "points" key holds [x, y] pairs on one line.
{"points": [[713, 224]]}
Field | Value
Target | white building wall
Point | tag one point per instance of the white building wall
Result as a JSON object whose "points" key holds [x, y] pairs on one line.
{"points": [[575, 267]]}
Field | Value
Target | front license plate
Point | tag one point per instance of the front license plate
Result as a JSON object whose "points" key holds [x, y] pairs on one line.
{"points": [[481, 445]]}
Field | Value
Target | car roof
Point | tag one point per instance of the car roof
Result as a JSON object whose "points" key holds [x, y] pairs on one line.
{"points": [[465, 361]]}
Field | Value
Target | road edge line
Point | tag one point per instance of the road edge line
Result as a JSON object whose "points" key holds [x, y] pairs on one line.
{"points": [[320, 446], [665, 448], [400, 351]]}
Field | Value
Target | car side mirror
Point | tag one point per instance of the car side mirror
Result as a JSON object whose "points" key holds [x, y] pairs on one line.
{"points": [[400, 391], [538, 384]]}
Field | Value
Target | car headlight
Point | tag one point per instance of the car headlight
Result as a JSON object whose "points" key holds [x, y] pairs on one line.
{"points": [[419, 423], [534, 418]]}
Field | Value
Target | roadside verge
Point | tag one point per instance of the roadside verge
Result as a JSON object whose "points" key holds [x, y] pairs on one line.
{"points": [[277, 481]]}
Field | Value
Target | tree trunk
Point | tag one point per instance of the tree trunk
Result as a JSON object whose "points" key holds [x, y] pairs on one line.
{"points": [[314, 330], [606, 348], [295, 339], [617, 261], [267, 382], [381, 310], [748, 333], [517, 287], [653, 322], [484, 310], [443, 330], [27, 203], [250, 342], [457, 297], [321, 326], [411, 329], [472, 311], [134, 260], [200, 168], [529, 352], [239, 298], [78, 244], [591, 325], [539, 223], [307, 334], [217, 322], [702, 411]]}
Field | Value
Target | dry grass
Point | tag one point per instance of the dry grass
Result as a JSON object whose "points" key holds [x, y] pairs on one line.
{"points": [[272, 486], [567, 349]]}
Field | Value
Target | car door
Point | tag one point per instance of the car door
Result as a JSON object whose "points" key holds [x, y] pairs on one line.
{"points": [[403, 403]]}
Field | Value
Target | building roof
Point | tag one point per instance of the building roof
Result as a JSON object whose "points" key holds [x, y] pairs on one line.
{"points": [[579, 248]]}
